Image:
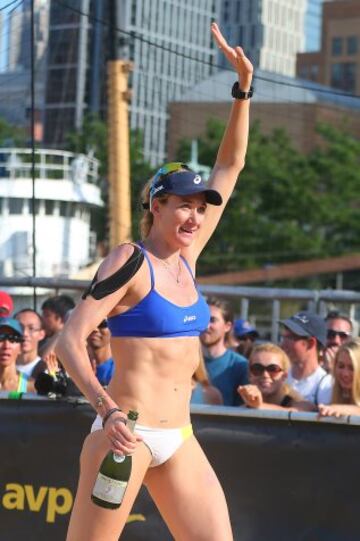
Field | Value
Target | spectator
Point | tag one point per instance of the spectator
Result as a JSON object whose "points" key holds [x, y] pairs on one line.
{"points": [[11, 336], [345, 398], [54, 312], [268, 370], [303, 336], [226, 368], [29, 362], [203, 392], [339, 330], [245, 336], [99, 351], [6, 304]]}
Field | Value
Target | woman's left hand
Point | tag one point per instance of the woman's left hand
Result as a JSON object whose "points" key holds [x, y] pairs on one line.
{"points": [[236, 57], [251, 395]]}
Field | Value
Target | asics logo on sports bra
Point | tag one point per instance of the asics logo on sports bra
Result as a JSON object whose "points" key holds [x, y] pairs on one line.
{"points": [[189, 318], [197, 179]]}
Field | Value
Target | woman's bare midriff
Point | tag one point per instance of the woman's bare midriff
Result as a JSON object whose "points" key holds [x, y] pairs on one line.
{"points": [[153, 377]]}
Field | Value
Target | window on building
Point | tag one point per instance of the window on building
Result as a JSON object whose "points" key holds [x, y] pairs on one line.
{"points": [[63, 208], [343, 76], [37, 206], [336, 46], [15, 205], [314, 72], [352, 45], [49, 207]]}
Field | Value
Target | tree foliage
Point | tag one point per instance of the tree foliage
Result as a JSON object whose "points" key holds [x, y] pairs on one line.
{"points": [[10, 135], [287, 206]]}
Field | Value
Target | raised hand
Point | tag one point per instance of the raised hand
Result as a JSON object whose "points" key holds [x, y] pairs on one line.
{"points": [[236, 57], [251, 395]]}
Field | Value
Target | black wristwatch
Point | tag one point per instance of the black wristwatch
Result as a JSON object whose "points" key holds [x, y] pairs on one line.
{"points": [[240, 94]]}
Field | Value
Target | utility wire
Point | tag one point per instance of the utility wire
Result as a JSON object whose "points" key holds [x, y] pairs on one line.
{"points": [[135, 36], [11, 3], [32, 121]]}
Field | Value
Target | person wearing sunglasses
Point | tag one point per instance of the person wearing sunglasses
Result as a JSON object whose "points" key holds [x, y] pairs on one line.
{"points": [[339, 330], [11, 337], [345, 397], [268, 389], [155, 314]]}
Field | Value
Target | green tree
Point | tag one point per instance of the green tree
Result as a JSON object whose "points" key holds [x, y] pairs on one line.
{"points": [[287, 206], [11, 135]]}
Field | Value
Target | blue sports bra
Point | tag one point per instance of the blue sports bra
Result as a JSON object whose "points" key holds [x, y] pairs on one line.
{"points": [[156, 317]]}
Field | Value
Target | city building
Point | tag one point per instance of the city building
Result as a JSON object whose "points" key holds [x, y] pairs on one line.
{"points": [[279, 101], [270, 31], [19, 35], [337, 63], [169, 43], [313, 19], [66, 193]]}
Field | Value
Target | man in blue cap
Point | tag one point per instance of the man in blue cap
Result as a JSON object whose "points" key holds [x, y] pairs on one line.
{"points": [[245, 336]]}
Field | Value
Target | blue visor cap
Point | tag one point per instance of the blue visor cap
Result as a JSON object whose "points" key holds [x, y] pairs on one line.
{"points": [[185, 183], [11, 323]]}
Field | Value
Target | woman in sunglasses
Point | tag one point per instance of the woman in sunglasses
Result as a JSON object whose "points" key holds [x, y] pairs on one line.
{"points": [[11, 337], [268, 370], [345, 398], [155, 314]]}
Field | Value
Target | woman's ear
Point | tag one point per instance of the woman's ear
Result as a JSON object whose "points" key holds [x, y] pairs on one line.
{"points": [[155, 206]]}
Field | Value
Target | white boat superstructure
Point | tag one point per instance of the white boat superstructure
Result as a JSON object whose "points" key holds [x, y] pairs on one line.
{"points": [[66, 192]]}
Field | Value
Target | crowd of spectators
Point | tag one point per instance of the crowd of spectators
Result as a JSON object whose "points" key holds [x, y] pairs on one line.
{"points": [[314, 367]]}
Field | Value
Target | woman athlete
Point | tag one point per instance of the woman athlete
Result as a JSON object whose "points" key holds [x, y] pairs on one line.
{"points": [[155, 314]]}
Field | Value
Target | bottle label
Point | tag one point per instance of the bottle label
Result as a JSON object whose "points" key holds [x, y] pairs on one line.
{"points": [[108, 489]]}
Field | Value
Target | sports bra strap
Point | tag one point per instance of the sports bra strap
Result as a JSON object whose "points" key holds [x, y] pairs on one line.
{"points": [[152, 277], [188, 267]]}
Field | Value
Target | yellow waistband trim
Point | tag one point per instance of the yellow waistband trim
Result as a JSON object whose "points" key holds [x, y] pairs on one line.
{"points": [[186, 432]]}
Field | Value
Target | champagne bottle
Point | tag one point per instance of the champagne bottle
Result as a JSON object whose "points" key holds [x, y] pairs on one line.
{"points": [[114, 475]]}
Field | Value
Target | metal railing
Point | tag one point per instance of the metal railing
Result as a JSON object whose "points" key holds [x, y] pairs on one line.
{"points": [[317, 301], [50, 164]]}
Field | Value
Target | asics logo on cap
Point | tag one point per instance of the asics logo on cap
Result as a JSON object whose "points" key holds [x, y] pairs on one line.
{"points": [[302, 318], [155, 190], [197, 179]]}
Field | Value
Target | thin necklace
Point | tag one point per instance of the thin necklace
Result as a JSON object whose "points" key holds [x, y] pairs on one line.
{"points": [[175, 273]]}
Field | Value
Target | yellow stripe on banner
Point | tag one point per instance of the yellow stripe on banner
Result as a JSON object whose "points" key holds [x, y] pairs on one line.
{"points": [[135, 518], [186, 432]]}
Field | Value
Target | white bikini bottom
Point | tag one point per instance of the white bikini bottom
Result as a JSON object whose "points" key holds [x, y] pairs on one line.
{"points": [[161, 442]]}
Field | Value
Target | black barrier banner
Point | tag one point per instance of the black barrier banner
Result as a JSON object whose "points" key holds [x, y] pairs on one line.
{"points": [[284, 480]]}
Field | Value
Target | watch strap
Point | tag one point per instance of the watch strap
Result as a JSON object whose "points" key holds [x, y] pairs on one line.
{"points": [[240, 94]]}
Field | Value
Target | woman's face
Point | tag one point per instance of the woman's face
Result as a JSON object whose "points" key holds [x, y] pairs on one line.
{"points": [[344, 370], [266, 372], [181, 217]]}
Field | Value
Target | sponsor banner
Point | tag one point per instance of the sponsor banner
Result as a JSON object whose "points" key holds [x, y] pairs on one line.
{"points": [[283, 479]]}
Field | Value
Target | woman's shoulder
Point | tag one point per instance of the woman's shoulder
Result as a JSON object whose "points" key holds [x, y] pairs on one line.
{"points": [[126, 254]]}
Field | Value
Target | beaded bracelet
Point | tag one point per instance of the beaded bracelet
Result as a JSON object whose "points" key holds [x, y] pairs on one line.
{"points": [[109, 413]]}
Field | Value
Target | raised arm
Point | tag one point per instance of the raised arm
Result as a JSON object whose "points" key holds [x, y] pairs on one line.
{"points": [[231, 155]]}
